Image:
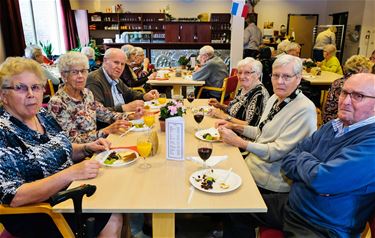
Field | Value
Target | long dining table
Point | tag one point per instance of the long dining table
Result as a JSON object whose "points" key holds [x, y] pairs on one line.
{"points": [[177, 82], [164, 189]]}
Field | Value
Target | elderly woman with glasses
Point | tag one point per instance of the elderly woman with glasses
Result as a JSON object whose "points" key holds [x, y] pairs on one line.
{"points": [[74, 107], [354, 65], [248, 105], [37, 160], [330, 63], [289, 116]]}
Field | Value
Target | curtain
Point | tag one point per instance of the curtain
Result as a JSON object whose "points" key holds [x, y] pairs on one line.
{"points": [[11, 28], [69, 25]]}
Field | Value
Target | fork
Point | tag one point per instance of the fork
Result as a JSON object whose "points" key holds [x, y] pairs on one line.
{"points": [[126, 132]]}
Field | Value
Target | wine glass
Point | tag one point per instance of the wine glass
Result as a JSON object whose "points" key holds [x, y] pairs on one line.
{"points": [[204, 151], [162, 99], [190, 97], [198, 116], [144, 147]]}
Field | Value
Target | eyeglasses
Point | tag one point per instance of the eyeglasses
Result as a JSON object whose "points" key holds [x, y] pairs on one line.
{"points": [[284, 77], [246, 72], [75, 72], [23, 88], [358, 97]]}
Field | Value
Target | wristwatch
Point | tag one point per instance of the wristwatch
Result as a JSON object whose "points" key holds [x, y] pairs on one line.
{"points": [[229, 118]]}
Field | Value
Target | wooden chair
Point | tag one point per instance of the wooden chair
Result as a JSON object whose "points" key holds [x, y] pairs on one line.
{"points": [[76, 194], [319, 118], [142, 90], [49, 91], [229, 87], [233, 71]]}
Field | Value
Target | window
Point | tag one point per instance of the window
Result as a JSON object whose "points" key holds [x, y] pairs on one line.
{"points": [[41, 21]]}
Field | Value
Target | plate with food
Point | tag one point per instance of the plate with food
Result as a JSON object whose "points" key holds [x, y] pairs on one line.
{"points": [[117, 157], [210, 135], [215, 180], [153, 104], [139, 125]]}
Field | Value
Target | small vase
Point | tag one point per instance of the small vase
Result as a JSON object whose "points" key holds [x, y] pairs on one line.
{"points": [[162, 125], [308, 70]]}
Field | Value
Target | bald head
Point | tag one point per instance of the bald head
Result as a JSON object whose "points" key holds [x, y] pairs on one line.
{"points": [[357, 99], [114, 62]]}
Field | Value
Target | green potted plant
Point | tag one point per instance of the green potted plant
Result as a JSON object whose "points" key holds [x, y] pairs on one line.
{"points": [[308, 64], [183, 61], [171, 109], [47, 48]]}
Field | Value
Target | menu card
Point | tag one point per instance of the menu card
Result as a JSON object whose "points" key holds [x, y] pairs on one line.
{"points": [[175, 138]]}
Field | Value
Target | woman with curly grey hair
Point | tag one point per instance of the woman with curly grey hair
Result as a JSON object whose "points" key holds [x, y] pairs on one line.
{"points": [[74, 107]]}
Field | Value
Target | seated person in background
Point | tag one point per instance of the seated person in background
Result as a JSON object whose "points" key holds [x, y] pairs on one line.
{"points": [[293, 48], [354, 65], [333, 188], [37, 160], [74, 108], [248, 105], [212, 70], [141, 65], [90, 53], [324, 38], [34, 52], [330, 63], [265, 57], [112, 92], [281, 47], [289, 117], [372, 57], [129, 77]]}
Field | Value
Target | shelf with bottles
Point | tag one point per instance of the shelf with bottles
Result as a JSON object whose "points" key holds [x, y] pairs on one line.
{"points": [[220, 17], [220, 37], [130, 26], [153, 26], [130, 17]]}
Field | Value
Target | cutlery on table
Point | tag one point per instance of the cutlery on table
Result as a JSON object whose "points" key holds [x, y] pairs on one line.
{"points": [[126, 132]]}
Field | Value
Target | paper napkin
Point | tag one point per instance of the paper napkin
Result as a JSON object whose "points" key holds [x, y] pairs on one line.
{"points": [[212, 161]]}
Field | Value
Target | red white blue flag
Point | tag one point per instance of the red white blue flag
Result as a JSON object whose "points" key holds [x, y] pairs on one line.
{"points": [[239, 9]]}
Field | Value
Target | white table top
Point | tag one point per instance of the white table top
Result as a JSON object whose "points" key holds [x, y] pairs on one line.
{"points": [[325, 79], [173, 80], [164, 188]]}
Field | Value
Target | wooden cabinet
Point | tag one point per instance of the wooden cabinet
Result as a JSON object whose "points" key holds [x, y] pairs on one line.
{"points": [[188, 32], [221, 27]]}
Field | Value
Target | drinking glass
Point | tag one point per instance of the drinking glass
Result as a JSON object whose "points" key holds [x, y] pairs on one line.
{"points": [[190, 97], [162, 99], [198, 116], [204, 151], [149, 119], [144, 147]]}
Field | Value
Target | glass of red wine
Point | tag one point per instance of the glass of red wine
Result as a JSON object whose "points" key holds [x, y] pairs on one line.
{"points": [[190, 97], [204, 151], [198, 116]]}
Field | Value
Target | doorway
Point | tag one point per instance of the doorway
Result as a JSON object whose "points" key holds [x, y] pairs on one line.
{"points": [[340, 18], [302, 25]]}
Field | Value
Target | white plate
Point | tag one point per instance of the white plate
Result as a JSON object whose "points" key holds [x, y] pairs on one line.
{"points": [[206, 109], [101, 157], [212, 131], [234, 181], [154, 104], [139, 121]]}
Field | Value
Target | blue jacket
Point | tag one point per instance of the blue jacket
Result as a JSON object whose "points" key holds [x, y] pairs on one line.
{"points": [[334, 179]]}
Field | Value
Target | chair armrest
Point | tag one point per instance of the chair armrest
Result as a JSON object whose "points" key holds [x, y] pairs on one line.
{"points": [[139, 89], [213, 88]]}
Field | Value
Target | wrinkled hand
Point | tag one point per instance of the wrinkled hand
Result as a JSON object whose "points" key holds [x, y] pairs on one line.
{"points": [[117, 127], [223, 123], [132, 106], [86, 169], [152, 94], [152, 76], [213, 102], [139, 112], [146, 61], [99, 145], [216, 112], [229, 137]]}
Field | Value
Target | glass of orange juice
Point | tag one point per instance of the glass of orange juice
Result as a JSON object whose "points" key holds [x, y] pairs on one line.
{"points": [[144, 147], [162, 98], [149, 119]]}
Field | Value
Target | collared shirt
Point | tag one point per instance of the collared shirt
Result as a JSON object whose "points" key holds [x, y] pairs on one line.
{"points": [[340, 129], [117, 97], [252, 37]]}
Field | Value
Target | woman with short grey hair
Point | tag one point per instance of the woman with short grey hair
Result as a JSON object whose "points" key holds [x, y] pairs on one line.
{"points": [[248, 105], [74, 108]]}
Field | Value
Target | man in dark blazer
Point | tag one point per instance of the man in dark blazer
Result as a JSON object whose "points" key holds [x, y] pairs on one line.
{"points": [[112, 92]]}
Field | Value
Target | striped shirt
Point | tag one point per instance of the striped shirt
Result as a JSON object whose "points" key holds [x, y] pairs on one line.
{"points": [[340, 129]]}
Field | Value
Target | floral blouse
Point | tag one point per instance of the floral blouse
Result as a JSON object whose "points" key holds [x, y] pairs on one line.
{"points": [[26, 155], [331, 106], [249, 107], [78, 118]]}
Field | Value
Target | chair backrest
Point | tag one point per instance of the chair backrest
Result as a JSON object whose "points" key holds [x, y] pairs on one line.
{"points": [[233, 72], [49, 90]]}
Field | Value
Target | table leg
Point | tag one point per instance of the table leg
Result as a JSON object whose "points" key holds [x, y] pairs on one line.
{"points": [[163, 225]]}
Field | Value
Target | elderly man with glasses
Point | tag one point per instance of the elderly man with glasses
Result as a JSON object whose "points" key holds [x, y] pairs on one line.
{"points": [[289, 116], [333, 174]]}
